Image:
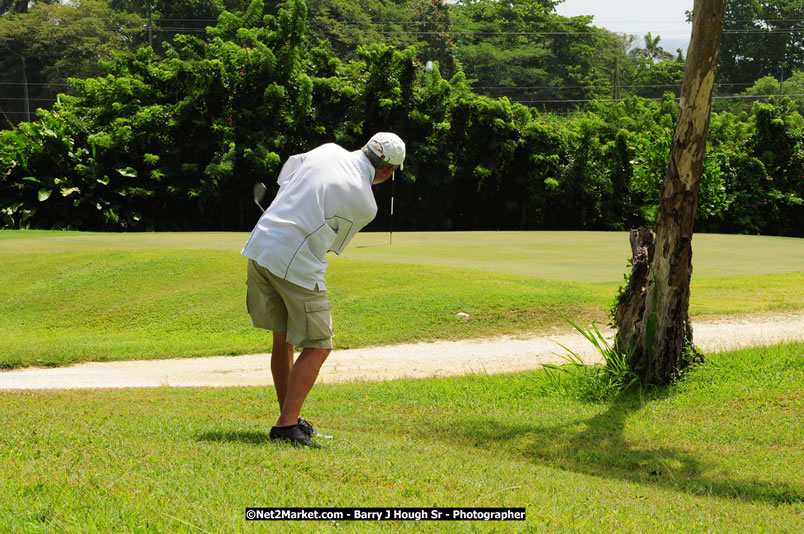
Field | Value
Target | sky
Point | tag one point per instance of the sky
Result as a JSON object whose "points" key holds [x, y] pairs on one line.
{"points": [[665, 18]]}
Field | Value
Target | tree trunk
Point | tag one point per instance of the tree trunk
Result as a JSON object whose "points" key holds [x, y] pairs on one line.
{"points": [[653, 314]]}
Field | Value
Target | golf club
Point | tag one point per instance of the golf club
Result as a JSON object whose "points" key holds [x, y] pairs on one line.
{"points": [[259, 193], [391, 235]]}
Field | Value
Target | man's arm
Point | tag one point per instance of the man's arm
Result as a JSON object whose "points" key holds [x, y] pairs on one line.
{"points": [[347, 228]]}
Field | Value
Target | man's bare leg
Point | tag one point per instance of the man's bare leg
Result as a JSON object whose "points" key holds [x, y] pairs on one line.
{"points": [[302, 377], [281, 364]]}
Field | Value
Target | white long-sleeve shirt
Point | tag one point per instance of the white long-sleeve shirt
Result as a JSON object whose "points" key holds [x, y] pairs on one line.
{"points": [[324, 199]]}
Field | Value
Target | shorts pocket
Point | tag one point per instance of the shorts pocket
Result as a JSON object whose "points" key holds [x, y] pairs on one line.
{"points": [[319, 319], [251, 298]]}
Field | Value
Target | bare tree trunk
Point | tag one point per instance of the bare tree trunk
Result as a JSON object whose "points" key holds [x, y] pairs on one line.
{"points": [[653, 315]]}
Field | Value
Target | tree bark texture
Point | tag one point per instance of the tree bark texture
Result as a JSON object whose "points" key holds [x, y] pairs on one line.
{"points": [[631, 307], [655, 308]]}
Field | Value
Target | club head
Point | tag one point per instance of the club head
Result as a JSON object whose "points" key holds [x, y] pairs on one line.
{"points": [[259, 190]]}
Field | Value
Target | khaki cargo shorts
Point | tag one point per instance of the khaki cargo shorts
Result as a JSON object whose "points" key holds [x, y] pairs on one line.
{"points": [[280, 306]]}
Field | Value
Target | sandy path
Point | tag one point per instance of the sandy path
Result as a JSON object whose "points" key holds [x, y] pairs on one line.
{"points": [[444, 358]]}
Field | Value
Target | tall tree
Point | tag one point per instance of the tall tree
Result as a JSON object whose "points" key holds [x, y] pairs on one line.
{"points": [[653, 314], [652, 50], [21, 6], [432, 22], [347, 24], [40, 49], [524, 50], [761, 38], [167, 18]]}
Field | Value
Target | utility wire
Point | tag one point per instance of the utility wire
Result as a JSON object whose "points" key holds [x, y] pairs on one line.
{"points": [[567, 101], [33, 83], [501, 88], [155, 26], [655, 99], [29, 99], [588, 100]]}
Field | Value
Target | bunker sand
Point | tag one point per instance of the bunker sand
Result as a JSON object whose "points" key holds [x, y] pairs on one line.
{"points": [[419, 360]]}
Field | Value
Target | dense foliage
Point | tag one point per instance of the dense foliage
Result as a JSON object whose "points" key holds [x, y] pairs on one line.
{"points": [[174, 140], [40, 49], [761, 39]]}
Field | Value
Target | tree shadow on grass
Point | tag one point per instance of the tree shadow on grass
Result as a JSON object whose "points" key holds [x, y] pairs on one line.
{"points": [[238, 436], [597, 446]]}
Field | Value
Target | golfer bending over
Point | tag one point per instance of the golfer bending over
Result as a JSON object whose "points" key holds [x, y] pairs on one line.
{"points": [[324, 199]]}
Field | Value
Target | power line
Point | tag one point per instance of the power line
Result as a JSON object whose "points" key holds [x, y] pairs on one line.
{"points": [[768, 20], [29, 99], [558, 101], [588, 100], [764, 31], [530, 87], [184, 29], [744, 97], [179, 30], [32, 83], [591, 31], [488, 88], [187, 20], [654, 99], [638, 86]]}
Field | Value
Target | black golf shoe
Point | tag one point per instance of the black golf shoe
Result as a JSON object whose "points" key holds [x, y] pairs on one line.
{"points": [[310, 431], [293, 434]]}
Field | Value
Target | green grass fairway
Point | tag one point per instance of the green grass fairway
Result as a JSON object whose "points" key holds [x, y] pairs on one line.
{"points": [[576, 256], [721, 452], [571, 256], [70, 296]]}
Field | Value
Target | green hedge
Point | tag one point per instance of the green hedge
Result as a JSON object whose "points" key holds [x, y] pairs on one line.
{"points": [[174, 142]]}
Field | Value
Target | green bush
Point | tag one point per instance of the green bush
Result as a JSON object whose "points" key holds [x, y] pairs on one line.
{"points": [[175, 142]]}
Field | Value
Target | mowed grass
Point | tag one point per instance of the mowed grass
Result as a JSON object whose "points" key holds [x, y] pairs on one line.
{"points": [[721, 452], [576, 256], [569, 256], [70, 297]]}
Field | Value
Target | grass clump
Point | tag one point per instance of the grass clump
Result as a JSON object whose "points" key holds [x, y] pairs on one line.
{"points": [[598, 382]]}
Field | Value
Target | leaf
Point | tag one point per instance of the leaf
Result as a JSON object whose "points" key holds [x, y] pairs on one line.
{"points": [[69, 191], [27, 214], [32, 179], [111, 215], [128, 172], [7, 219], [44, 194]]}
